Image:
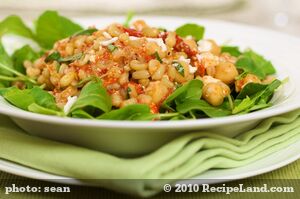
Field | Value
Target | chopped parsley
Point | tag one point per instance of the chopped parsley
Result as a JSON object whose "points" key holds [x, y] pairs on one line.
{"points": [[112, 48], [178, 67], [158, 57]]}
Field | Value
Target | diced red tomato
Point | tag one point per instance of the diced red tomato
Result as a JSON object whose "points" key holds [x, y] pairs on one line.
{"points": [[133, 32], [182, 46], [201, 69]]}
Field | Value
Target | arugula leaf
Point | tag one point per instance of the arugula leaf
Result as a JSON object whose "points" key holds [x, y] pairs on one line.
{"points": [[14, 25], [128, 19], [43, 98], [261, 97], [88, 31], [250, 89], [201, 105], [178, 67], [194, 30], [51, 27], [190, 90], [81, 114], [269, 90], [55, 56], [93, 99], [232, 50], [24, 98], [22, 54], [35, 108], [253, 63], [5, 60], [130, 112], [112, 48], [19, 98]]}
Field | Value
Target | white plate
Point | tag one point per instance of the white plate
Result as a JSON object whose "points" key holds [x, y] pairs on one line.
{"points": [[269, 163], [133, 138]]}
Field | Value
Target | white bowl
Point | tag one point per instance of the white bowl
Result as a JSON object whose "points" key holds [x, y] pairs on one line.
{"points": [[128, 138]]}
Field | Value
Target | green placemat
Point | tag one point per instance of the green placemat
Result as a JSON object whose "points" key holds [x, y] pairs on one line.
{"points": [[291, 171]]}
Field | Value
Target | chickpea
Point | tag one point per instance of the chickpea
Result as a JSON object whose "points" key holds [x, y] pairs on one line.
{"points": [[239, 84], [226, 72], [215, 92]]}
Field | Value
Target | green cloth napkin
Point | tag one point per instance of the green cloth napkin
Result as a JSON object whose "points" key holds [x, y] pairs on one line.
{"points": [[182, 158]]}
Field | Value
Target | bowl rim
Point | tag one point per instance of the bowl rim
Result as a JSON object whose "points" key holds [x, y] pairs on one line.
{"points": [[15, 112]]}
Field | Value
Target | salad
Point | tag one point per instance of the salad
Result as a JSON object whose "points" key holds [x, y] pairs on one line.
{"points": [[130, 71]]}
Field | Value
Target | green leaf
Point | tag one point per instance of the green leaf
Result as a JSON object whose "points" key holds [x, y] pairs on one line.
{"points": [[22, 54], [19, 98], [43, 98], [88, 31], [51, 27], [93, 99], [250, 89], [81, 114], [130, 112], [14, 25], [194, 30], [4, 90], [269, 90], [232, 50], [253, 63], [55, 56], [7, 71], [203, 106], [5, 60], [24, 98], [261, 97], [129, 17], [190, 90], [35, 108], [179, 68]]}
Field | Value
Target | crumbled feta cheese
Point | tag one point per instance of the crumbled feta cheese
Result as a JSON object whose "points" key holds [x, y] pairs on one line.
{"points": [[208, 59], [204, 46], [133, 38], [69, 104], [181, 58], [199, 57], [93, 58], [209, 79], [110, 41], [159, 42], [192, 69], [107, 35]]}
